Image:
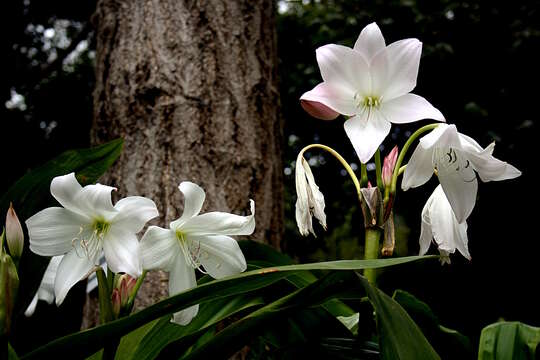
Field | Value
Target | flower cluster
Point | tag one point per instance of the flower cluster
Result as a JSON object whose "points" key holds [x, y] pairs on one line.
{"points": [[370, 84], [88, 232]]}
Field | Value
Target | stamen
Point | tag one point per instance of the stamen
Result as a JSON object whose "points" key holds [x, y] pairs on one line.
{"points": [[191, 251]]}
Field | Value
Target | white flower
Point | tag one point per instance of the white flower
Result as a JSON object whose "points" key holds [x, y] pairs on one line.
{"points": [[193, 241], [46, 287], [87, 226], [440, 224], [371, 83], [310, 201], [456, 157]]}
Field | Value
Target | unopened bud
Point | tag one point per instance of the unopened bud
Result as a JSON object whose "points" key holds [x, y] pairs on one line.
{"points": [[388, 166], [124, 287], [9, 285], [318, 110], [14, 233]]}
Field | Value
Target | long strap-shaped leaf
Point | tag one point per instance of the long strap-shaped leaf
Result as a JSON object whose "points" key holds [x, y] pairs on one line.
{"points": [[87, 342]]}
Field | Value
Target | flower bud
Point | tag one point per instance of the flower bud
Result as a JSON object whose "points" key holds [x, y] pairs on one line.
{"points": [[9, 285], [318, 110], [388, 166], [124, 287], [14, 233]]}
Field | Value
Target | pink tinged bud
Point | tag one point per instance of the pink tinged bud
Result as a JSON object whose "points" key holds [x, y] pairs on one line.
{"points": [[116, 302], [124, 286], [14, 233], [388, 166], [318, 110]]}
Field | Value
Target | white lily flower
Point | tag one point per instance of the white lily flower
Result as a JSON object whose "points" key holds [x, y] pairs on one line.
{"points": [[310, 201], [456, 157], [371, 83], [45, 291], [440, 224], [196, 242], [87, 226]]}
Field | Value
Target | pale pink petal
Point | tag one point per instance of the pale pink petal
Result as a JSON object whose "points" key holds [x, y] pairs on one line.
{"points": [[333, 98]]}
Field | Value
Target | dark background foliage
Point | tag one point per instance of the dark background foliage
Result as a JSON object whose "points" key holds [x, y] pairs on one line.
{"points": [[479, 67]]}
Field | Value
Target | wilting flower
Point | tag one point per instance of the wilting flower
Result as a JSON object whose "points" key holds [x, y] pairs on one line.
{"points": [[45, 291], [87, 226], [455, 157], [440, 224], [310, 201], [196, 242], [371, 83], [14, 233]]}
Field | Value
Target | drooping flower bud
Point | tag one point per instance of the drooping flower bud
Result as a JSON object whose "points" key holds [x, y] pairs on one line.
{"points": [[14, 233], [388, 166], [310, 201], [318, 110], [371, 205]]}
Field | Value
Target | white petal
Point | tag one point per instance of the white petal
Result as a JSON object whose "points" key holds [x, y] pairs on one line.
{"points": [[403, 63], [134, 212], [221, 223], [52, 230], [367, 134], [303, 214], [220, 255], [370, 41], [181, 278], [46, 286], [458, 182], [95, 200], [448, 234], [315, 196], [158, 248], [92, 282], [419, 168], [442, 136], [334, 97], [425, 232], [193, 201], [73, 268], [345, 68], [488, 167], [64, 189], [409, 108], [121, 250]]}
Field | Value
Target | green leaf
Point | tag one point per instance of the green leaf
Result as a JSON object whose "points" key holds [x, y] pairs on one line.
{"points": [[509, 340], [233, 337], [210, 313], [11, 354], [399, 336], [447, 341], [87, 342], [31, 193]]}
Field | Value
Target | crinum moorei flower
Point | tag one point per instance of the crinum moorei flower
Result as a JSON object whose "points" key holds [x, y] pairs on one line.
{"points": [[310, 201], [196, 242], [371, 84], [85, 228], [439, 223], [456, 158]]}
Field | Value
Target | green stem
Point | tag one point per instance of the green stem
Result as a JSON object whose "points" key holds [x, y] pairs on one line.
{"points": [[340, 159], [371, 251], [363, 175], [378, 170], [403, 152], [136, 288], [105, 308]]}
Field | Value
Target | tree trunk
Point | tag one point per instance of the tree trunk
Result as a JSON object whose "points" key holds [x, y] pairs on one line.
{"points": [[191, 87]]}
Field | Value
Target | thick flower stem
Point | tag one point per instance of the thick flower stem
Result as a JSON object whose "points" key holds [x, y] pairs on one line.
{"points": [[106, 313], [371, 251], [378, 170]]}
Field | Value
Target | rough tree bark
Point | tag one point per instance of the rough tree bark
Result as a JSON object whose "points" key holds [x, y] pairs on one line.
{"points": [[191, 87]]}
